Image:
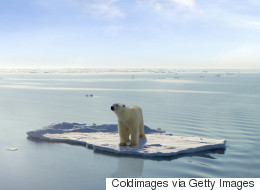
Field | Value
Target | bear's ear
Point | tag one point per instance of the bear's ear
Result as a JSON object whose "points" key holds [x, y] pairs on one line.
{"points": [[123, 105]]}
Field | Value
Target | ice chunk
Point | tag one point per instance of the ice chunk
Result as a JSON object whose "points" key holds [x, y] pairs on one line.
{"points": [[11, 149], [105, 138]]}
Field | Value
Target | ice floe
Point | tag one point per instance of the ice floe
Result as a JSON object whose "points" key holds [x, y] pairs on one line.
{"points": [[11, 149], [105, 138]]}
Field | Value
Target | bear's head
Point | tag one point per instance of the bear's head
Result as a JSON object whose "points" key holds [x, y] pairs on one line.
{"points": [[118, 108]]}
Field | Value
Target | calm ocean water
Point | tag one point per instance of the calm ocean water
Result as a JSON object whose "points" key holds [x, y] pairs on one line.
{"points": [[213, 104]]}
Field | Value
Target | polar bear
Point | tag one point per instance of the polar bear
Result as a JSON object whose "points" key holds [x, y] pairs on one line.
{"points": [[130, 122]]}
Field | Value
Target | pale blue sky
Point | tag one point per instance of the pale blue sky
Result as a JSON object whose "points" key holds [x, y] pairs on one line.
{"points": [[130, 33]]}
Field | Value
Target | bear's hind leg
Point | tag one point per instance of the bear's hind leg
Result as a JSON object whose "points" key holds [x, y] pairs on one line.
{"points": [[141, 130]]}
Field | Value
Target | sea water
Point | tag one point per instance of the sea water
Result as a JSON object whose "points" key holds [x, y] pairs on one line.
{"points": [[214, 104]]}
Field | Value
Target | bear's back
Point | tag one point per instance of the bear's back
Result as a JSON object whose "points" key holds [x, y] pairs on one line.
{"points": [[134, 111]]}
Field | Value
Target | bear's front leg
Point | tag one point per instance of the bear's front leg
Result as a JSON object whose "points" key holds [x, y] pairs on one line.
{"points": [[134, 138], [122, 144], [122, 135]]}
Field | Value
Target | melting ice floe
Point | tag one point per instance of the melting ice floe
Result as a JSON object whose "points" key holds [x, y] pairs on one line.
{"points": [[105, 138]]}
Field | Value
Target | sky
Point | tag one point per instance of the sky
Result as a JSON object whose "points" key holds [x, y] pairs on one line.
{"points": [[200, 34]]}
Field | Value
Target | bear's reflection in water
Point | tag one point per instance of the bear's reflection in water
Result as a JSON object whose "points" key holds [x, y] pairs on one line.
{"points": [[128, 167]]}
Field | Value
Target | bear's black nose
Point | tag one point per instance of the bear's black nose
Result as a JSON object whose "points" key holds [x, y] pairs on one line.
{"points": [[112, 108]]}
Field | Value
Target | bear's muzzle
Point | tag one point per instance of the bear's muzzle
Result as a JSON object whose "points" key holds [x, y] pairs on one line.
{"points": [[112, 108]]}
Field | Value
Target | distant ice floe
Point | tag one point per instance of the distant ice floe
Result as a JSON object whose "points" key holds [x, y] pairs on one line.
{"points": [[11, 149], [105, 138]]}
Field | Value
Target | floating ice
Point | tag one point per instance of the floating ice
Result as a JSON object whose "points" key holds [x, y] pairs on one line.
{"points": [[11, 149], [105, 138]]}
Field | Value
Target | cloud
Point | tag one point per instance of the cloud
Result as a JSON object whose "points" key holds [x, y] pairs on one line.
{"points": [[183, 3], [172, 7], [102, 8], [233, 14]]}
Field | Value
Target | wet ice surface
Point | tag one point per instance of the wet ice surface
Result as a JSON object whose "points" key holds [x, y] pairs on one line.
{"points": [[105, 138]]}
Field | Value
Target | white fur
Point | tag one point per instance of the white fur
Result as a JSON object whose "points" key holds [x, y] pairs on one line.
{"points": [[130, 122]]}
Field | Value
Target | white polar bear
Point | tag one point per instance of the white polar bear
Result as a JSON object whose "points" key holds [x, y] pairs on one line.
{"points": [[130, 122]]}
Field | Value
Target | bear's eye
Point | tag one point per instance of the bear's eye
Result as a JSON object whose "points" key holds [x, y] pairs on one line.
{"points": [[116, 104]]}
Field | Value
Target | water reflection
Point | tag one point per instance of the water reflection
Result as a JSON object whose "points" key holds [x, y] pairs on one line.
{"points": [[132, 167], [128, 167]]}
